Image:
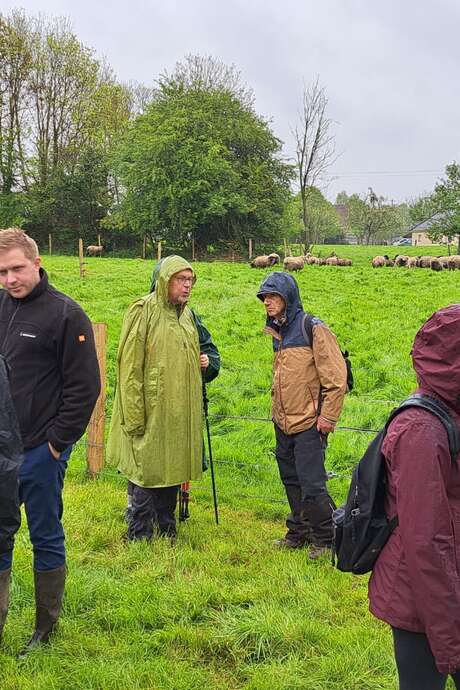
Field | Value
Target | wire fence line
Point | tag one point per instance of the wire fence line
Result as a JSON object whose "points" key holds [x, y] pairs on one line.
{"points": [[267, 419], [256, 467]]}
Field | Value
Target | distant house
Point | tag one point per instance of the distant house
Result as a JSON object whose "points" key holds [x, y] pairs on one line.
{"points": [[419, 232]]}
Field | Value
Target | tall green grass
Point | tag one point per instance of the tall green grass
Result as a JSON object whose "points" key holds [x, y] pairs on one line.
{"points": [[223, 609]]}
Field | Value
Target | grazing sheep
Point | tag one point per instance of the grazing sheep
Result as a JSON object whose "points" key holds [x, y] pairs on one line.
{"points": [[344, 262], [401, 260], [436, 265], [412, 262], [94, 249], [293, 263], [389, 262], [379, 261], [261, 262], [265, 261], [332, 261], [454, 262], [425, 261]]}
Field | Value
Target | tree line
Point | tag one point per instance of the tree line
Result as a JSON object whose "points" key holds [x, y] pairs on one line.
{"points": [[186, 160]]}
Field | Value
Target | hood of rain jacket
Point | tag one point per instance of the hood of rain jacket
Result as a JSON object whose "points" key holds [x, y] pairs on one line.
{"points": [[283, 284], [415, 584], [436, 355], [155, 435], [207, 346]]}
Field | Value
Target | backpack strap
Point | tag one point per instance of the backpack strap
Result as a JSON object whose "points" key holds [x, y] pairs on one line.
{"points": [[437, 408], [307, 328]]}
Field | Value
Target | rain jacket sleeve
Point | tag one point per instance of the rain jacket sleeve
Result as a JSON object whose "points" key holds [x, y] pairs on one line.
{"points": [[332, 372], [11, 456], [81, 382], [207, 347], [131, 355], [421, 463]]}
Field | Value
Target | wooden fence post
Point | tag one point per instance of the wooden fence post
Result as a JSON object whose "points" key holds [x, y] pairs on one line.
{"points": [[285, 248], [50, 244], [159, 251], [144, 247], [96, 426], [99, 240], [80, 258], [250, 250]]}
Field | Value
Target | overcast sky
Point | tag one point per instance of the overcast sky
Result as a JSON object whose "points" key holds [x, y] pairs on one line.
{"points": [[390, 70]]}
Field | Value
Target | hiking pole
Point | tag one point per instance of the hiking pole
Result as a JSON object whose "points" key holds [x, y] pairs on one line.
{"points": [[211, 463]]}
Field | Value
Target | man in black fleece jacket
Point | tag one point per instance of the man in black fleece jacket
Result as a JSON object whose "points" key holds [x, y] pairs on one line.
{"points": [[47, 341]]}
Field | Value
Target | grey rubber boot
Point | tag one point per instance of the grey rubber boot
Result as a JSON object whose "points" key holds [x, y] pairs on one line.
{"points": [[4, 597], [49, 592]]}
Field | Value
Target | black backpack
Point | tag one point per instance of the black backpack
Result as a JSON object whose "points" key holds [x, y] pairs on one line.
{"points": [[307, 332], [361, 528]]}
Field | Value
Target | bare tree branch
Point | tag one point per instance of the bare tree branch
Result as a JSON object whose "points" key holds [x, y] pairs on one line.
{"points": [[315, 149]]}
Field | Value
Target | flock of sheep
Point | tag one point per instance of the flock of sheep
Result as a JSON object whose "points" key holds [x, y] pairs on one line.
{"points": [[296, 263], [436, 263]]}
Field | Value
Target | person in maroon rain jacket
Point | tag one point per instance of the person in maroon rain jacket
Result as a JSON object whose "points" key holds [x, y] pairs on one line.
{"points": [[415, 584]]}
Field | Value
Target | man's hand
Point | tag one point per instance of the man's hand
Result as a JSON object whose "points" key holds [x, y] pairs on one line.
{"points": [[324, 427], [55, 453], [204, 362]]}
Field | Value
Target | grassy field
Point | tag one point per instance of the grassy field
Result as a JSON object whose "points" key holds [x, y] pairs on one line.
{"points": [[223, 610]]}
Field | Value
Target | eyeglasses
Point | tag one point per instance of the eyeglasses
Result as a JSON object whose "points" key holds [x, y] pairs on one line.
{"points": [[184, 280]]}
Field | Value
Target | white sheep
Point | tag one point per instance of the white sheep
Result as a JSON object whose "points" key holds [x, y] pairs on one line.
{"points": [[293, 263]]}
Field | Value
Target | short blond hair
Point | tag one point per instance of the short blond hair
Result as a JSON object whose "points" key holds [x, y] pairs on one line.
{"points": [[15, 238]]}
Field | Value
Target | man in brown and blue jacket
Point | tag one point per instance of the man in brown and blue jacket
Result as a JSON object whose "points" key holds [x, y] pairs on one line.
{"points": [[309, 385]]}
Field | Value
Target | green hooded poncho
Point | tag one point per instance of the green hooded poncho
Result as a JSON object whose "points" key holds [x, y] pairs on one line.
{"points": [[155, 434]]}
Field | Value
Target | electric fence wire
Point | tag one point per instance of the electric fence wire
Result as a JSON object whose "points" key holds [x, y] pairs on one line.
{"points": [[107, 473]]}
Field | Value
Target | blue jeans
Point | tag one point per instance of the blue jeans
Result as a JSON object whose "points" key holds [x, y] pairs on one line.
{"points": [[41, 479]]}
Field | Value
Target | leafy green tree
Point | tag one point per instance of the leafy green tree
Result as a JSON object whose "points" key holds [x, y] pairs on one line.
{"points": [[372, 219], [201, 162], [323, 221], [15, 66], [421, 209], [12, 209], [444, 205], [75, 201], [61, 114]]}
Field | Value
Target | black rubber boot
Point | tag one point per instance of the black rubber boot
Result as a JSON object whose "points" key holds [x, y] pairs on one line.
{"points": [[299, 532], [319, 511], [49, 592], [4, 597], [298, 523]]}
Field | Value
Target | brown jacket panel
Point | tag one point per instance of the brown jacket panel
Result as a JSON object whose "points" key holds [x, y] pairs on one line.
{"points": [[307, 380]]}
